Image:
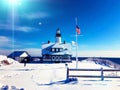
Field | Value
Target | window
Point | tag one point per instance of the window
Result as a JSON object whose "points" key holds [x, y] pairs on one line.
{"points": [[57, 49], [61, 49], [57, 57], [60, 57], [53, 49]]}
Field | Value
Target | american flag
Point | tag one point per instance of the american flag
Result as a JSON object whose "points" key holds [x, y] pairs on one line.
{"points": [[77, 29]]}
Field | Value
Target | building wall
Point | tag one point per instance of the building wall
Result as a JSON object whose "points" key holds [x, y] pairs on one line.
{"points": [[57, 58]]}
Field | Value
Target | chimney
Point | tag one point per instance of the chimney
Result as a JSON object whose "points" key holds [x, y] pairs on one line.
{"points": [[48, 41], [64, 42]]}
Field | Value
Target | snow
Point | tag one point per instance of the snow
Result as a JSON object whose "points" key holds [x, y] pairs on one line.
{"points": [[4, 58], [52, 77], [88, 65]]}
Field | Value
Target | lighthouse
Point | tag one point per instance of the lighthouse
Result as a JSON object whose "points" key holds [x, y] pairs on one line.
{"points": [[58, 36], [58, 51]]}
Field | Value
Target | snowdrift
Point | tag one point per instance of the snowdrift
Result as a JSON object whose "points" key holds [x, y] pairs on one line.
{"points": [[6, 61]]}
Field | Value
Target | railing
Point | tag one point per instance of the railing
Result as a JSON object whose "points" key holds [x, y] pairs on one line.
{"points": [[101, 71]]}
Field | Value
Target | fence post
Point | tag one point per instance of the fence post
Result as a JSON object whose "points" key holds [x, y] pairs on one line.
{"points": [[102, 76], [67, 74]]}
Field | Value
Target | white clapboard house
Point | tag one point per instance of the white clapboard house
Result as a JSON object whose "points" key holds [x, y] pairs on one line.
{"points": [[58, 51]]}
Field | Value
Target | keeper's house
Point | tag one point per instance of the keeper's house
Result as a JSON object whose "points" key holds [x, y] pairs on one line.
{"points": [[20, 56], [58, 51]]}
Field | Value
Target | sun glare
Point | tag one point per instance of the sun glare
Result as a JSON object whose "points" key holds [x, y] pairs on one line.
{"points": [[14, 2]]}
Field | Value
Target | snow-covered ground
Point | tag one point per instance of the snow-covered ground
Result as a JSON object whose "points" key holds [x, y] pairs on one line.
{"points": [[52, 77], [6, 61]]}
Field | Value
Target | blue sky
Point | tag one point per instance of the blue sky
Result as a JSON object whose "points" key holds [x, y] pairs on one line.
{"points": [[36, 22]]}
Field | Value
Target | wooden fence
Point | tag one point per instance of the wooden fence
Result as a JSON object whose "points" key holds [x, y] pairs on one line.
{"points": [[102, 71]]}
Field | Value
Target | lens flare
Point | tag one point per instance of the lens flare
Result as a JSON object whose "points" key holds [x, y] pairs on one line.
{"points": [[14, 2]]}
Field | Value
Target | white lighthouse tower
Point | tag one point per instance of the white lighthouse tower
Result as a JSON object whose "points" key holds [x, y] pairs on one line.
{"points": [[58, 36]]}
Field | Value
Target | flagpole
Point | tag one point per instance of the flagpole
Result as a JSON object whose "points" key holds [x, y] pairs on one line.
{"points": [[76, 47]]}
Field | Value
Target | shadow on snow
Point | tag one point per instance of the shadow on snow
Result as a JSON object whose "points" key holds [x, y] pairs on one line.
{"points": [[68, 81]]}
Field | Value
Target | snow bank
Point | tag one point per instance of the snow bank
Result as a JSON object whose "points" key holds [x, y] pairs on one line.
{"points": [[6, 61], [87, 64], [2, 57]]}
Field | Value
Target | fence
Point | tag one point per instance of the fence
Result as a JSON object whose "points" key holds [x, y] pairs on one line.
{"points": [[102, 71]]}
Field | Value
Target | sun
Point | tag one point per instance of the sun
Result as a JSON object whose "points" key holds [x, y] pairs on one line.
{"points": [[13, 2]]}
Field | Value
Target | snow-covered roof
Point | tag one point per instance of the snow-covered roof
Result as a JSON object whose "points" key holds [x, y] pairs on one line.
{"points": [[46, 48], [58, 45], [18, 54], [47, 45]]}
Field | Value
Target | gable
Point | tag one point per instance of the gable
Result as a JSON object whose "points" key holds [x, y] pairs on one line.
{"points": [[24, 55]]}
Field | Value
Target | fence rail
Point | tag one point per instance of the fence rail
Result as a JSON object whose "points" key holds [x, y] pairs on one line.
{"points": [[102, 71], [94, 69]]}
